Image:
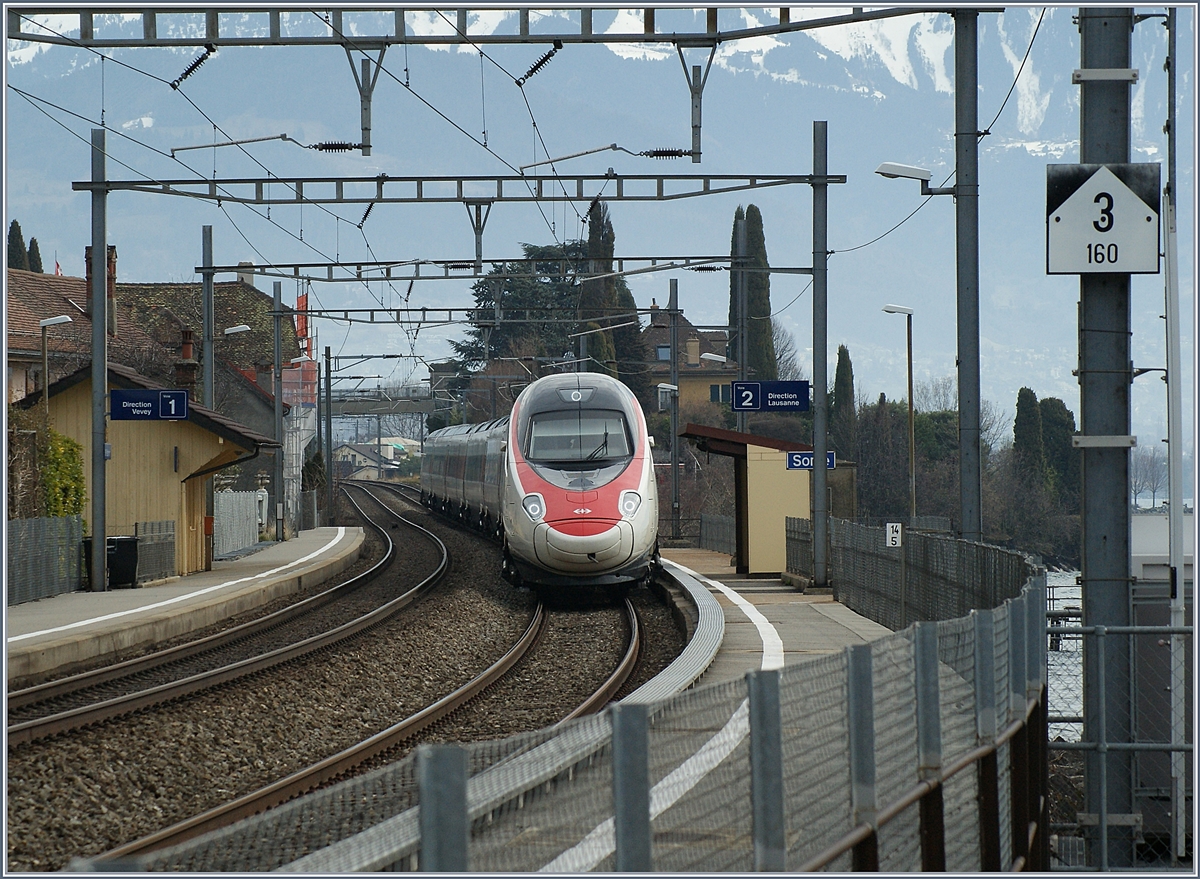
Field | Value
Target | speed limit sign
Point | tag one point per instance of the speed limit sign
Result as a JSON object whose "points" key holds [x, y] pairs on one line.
{"points": [[1102, 218]]}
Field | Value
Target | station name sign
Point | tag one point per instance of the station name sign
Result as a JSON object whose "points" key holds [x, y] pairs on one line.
{"points": [[804, 460], [138, 404], [771, 396]]}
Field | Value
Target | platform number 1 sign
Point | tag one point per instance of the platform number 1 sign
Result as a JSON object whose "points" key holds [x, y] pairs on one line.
{"points": [[894, 534]]}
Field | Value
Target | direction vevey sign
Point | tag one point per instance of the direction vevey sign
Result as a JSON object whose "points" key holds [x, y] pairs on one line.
{"points": [[138, 404], [804, 460], [1102, 218], [771, 396]]}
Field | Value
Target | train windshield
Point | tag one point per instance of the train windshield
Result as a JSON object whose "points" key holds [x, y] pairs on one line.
{"points": [[588, 436]]}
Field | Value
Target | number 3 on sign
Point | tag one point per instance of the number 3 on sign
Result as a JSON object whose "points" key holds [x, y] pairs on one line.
{"points": [[894, 532]]}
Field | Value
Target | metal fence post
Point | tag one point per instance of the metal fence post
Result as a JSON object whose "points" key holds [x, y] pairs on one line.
{"points": [[1039, 766], [929, 745], [631, 787], [766, 771], [860, 709], [985, 728], [445, 828], [1018, 748]]}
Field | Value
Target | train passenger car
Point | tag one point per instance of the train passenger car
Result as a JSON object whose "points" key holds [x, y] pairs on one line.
{"points": [[567, 483]]}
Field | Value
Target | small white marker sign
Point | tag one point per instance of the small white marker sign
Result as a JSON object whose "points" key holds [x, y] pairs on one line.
{"points": [[1102, 218], [894, 534]]}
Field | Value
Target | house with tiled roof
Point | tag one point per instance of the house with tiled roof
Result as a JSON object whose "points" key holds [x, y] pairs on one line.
{"points": [[31, 297], [700, 380]]}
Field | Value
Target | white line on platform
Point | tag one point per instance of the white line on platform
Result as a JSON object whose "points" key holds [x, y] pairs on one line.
{"points": [[111, 616], [601, 842]]}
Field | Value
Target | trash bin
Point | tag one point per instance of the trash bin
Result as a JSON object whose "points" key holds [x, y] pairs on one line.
{"points": [[121, 560]]}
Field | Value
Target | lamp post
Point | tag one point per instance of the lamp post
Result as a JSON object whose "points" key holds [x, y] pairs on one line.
{"points": [[45, 325], [912, 454]]}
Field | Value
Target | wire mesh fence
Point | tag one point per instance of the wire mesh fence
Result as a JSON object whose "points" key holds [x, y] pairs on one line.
{"points": [[235, 521], [155, 550], [44, 558], [718, 533], [550, 799], [930, 577]]}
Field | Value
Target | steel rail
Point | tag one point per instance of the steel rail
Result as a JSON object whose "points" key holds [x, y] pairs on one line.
{"points": [[338, 765], [75, 683], [66, 721]]}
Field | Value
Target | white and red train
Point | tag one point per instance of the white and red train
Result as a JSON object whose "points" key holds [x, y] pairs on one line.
{"points": [[566, 482]]}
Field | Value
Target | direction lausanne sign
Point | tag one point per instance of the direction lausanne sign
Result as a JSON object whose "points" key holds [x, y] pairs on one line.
{"points": [[137, 404], [773, 396]]}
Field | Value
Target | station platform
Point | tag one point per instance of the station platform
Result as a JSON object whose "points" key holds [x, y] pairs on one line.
{"points": [[759, 610], [58, 634]]}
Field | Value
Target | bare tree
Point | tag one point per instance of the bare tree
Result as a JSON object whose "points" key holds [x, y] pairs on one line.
{"points": [[1147, 473], [936, 395], [787, 355]]}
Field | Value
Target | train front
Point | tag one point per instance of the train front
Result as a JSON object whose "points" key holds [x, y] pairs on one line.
{"points": [[581, 506]]}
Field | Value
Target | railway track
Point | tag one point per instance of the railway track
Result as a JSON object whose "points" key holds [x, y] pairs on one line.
{"points": [[377, 746], [81, 700]]}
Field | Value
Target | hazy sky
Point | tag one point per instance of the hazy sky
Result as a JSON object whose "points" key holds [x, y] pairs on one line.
{"points": [[885, 88]]}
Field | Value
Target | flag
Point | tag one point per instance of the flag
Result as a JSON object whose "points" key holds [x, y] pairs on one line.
{"points": [[57, 268]]}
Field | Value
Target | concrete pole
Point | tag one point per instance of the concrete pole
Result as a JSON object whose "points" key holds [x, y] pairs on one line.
{"points": [[743, 368], [673, 314], [1105, 375], [1179, 646], [329, 512], [966, 192], [210, 398], [820, 385], [99, 572], [277, 373]]}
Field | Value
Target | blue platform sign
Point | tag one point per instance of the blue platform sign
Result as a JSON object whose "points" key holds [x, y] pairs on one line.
{"points": [[774, 396], [138, 404], [804, 460]]}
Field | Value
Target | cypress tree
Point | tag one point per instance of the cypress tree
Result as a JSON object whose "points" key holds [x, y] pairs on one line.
{"points": [[18, 256], [35, 257], [1028, 446], [843, 417], [1062, 461], [760, 356]]}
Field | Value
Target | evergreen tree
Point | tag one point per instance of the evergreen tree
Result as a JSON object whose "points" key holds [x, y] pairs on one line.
{"points": [[1062, 461], [629, 347], [18, 256], [531, 333], [760, 356], [843, 416], [35, 257], [597, 297], [1028, 446]]}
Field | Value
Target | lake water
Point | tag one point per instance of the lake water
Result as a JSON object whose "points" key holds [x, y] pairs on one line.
{"points": [[1064, 659]]}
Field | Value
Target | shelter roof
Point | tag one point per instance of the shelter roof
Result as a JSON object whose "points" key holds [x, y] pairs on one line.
{"points": [[718, 441]]}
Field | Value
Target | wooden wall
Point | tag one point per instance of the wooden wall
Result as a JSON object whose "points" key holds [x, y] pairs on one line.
{"points": [[143, 481]]}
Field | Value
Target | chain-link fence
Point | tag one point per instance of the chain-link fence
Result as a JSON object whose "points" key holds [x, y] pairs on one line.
{"points": [[923, 750], [718, 533], [155, 550], [929, 577], [44, 558], [1121, 772], [235, 521]]}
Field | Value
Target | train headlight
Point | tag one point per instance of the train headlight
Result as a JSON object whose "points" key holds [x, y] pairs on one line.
{"points": [[631, 501], [535, 506]]}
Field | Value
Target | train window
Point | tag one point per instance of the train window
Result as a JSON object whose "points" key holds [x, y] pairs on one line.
{"points": [[588, 435]]}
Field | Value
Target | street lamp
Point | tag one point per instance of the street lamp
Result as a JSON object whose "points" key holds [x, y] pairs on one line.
{"points": [[893, 170], [912, 457], [715, 358], [45, 325], [240, 328]]}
